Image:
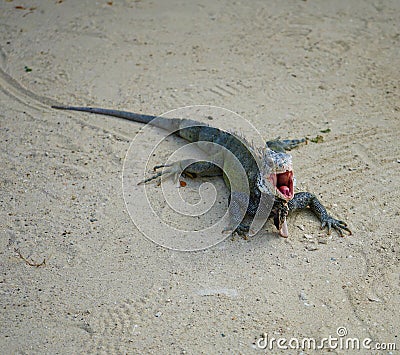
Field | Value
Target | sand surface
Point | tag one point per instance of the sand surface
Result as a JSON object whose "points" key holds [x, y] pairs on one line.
{"points": [[292, 69]]}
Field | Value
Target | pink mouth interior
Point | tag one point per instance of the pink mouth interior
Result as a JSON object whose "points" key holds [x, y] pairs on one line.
{"points": [[284, 183]]}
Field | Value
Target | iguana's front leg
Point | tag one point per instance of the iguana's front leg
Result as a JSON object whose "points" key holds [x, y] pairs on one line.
{"points": [[238, 205], [302, 200]]}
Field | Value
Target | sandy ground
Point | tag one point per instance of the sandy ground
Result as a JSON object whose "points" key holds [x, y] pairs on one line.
{"points": [[292, 69]]}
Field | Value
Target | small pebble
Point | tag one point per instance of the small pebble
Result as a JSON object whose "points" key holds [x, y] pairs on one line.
{"points": [[311, 247], [302, 296], [373, 299]]}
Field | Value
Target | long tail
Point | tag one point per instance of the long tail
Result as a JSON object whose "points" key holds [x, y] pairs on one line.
{"points": [[187, 129], [116, 113]]}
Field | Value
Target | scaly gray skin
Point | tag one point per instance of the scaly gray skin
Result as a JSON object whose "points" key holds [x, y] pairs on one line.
{"points": [[269, 171]]}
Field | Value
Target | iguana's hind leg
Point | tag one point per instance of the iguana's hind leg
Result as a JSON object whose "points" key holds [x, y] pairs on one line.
{"points": [[203, 169], [278, 145], [189, 167], [173, 171], [238, 201], [238, 204]]}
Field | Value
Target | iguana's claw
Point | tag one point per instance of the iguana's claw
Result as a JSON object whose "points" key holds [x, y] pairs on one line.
{"points": [[155, 168], [336, 224], [242, 229]]}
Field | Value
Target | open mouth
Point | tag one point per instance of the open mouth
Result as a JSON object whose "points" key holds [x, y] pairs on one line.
{"points": [[283, 183]]}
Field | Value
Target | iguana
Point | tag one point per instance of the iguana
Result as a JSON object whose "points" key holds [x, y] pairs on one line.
{"points": [[269, 171]]}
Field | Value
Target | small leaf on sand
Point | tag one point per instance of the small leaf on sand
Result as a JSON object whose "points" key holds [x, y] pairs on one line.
{"points": [[317, 139], [325, 130]]}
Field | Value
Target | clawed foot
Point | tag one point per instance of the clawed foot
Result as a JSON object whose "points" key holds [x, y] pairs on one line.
{"points": [[174, 171], [337, 225], [242, 230]]}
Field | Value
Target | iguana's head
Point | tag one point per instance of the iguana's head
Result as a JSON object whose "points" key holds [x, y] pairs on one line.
{"points": [[276, 175], [277, 178]]}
